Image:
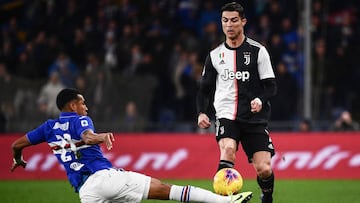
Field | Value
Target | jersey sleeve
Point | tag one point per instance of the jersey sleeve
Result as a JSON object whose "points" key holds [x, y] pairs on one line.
{"points": [[38, 135], [82, 124], [264, 64], [206, 86], [266, 75]]}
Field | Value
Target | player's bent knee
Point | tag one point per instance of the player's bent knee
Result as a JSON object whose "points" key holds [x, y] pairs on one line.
{"points": [[229, 150], [263, 170]]}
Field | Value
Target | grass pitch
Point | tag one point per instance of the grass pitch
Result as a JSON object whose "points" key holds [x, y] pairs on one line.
{"points": [[287, 191]]}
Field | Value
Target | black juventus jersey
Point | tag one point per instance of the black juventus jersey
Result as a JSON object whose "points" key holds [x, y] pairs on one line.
{"points": [[234, 77]]}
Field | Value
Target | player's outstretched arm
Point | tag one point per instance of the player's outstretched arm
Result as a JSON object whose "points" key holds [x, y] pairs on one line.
{"points": [[92, 138], [17, 147]]}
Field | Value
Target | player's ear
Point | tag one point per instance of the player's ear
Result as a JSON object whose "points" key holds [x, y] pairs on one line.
{"points": [[72, 106], [243, 21]]}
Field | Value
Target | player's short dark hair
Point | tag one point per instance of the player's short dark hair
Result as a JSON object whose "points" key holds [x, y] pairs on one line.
{"points": [[66, 95], [234, 6]]}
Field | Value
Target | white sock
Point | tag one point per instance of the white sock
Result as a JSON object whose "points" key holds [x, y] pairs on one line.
{"points": [[195, 194]]}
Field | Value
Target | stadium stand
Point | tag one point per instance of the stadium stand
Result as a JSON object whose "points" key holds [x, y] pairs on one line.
{"points": [[151, 52]]}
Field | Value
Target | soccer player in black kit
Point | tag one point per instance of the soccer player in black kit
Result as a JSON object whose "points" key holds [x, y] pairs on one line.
{"points": [[239, 79]]}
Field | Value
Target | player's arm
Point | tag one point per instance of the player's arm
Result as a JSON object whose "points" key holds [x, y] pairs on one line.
{"points": [[206, 88], [270, 89], [17, 147], [91, 138], [268, 81]]}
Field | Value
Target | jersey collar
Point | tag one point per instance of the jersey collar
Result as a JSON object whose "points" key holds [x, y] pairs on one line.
{"points": [[227, 46], [67, 114]]}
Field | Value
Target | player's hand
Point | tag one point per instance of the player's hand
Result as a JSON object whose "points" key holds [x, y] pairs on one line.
{"points": [[109, 139], [256, 105], [203, 121], [18, 163]]}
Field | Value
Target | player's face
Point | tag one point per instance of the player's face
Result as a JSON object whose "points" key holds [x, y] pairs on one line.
{"points": [[232, 24], [80, 106]]}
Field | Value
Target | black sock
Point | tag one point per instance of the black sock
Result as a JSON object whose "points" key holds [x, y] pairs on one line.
{"points": [[225, 164], [266, 185]]}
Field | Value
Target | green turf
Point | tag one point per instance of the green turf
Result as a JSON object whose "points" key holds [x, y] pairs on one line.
{"points": [[287, 191]]}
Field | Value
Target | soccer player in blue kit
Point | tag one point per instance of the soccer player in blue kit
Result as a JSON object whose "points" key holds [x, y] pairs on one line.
{"points": [[75, 143], [239, 79]]}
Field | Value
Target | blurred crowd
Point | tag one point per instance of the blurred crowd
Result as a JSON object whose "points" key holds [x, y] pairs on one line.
{"points": [[138, 62]]}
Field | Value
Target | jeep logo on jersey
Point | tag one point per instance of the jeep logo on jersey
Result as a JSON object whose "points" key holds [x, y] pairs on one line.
{"points": [[239, 75]]}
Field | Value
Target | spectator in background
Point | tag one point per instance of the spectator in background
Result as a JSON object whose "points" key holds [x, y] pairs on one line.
{"points": [[185, 77], [66, 69], [25, 67], [92, 34], [3, 120], [132, 121], [318, 16], [125, 42], [93, 66], [7, 53], [7, 86], [78, 49], [7, 89], [51, 52], [341, 81], [345, 123], [304, 126], [275, 13], [136, 60], [208, 15], [110, 53], [210, 39], [99, 98], [287, 91], [330, 89], [276, 48], [38, 52], [47, 97], [81, 85], [264, 30], [38, 70], [187, 14]]}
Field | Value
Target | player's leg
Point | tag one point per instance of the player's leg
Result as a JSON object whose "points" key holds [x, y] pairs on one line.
{"points": [[101, 186], [163, 191], [227, 138], [227, 147], [112, 185], [259, 148], [265, 176]]}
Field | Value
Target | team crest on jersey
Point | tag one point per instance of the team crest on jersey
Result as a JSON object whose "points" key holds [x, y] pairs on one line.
{"points": [[247, 58], [221, 56], [84, 123]]}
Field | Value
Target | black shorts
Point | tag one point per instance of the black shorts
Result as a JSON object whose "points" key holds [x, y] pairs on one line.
{"points": [[253, 137]]}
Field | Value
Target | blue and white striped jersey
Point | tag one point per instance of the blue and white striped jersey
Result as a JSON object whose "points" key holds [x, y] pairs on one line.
{"points": [[64, 137]]}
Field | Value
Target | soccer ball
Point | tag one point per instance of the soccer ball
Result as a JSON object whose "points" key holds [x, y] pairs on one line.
{"points": [[227, 181]]}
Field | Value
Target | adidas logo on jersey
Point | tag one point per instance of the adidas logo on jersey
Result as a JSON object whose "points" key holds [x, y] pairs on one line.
{"points": [[222, 62], [238, 75]]}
